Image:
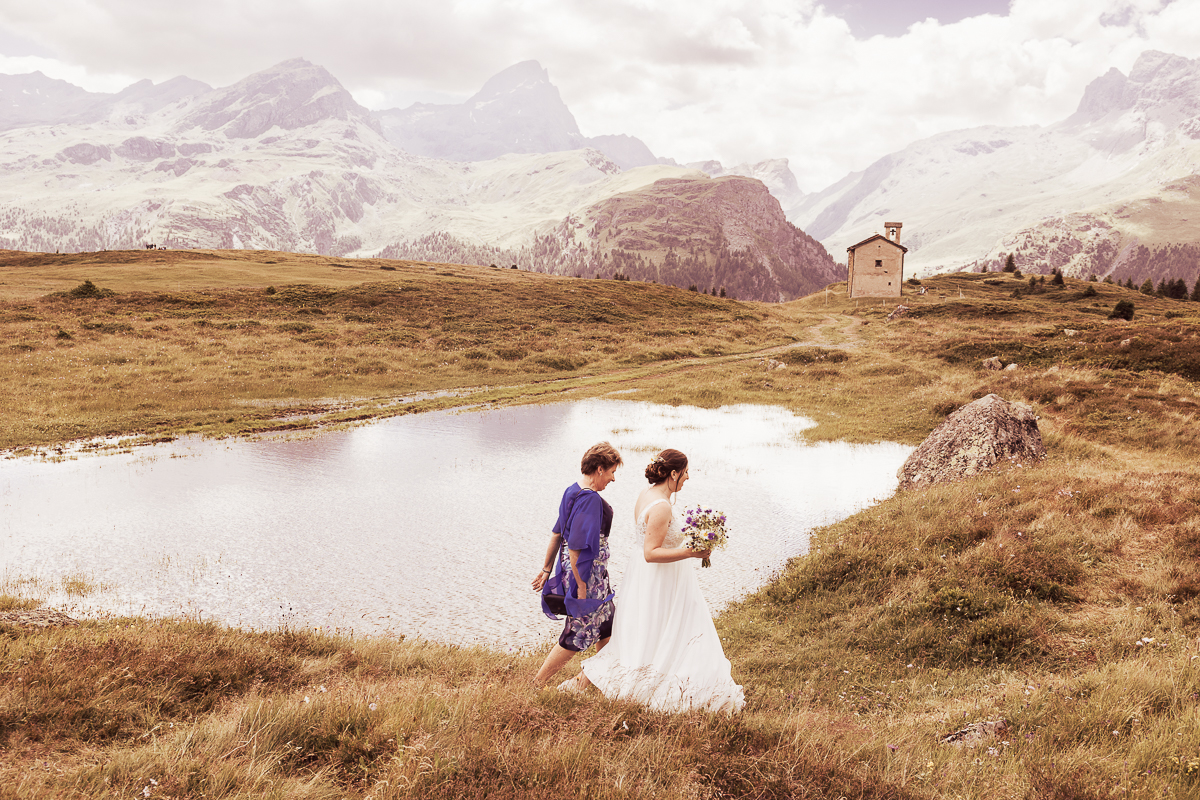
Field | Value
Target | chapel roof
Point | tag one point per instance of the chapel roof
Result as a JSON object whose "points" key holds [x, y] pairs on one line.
{"points": [[873, 238]]}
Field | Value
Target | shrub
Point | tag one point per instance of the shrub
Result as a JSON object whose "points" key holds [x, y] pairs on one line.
{"points": [[963, 603], [1122, 310], [913, 282], [1090, 291], [88, 291]]}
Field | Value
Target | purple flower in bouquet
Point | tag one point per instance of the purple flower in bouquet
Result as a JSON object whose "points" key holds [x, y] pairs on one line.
{"points": [[704, 529]]}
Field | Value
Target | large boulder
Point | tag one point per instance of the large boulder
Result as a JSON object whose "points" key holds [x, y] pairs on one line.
{"points": [[972, 440]]}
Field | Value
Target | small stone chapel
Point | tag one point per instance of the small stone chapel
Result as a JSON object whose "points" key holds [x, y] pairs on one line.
{"points": [[876, 265]]}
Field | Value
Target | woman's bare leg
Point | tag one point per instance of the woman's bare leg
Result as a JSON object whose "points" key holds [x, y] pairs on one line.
{"points": [[556, 659]]}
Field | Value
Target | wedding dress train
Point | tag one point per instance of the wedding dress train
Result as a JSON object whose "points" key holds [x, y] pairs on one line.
{"points": [[664, 652]]}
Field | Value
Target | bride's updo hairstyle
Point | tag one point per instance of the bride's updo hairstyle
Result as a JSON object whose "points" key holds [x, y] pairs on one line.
{"points": [[663, 464]]}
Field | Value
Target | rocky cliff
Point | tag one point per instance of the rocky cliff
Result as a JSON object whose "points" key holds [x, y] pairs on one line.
{"points": [[725, 233]]}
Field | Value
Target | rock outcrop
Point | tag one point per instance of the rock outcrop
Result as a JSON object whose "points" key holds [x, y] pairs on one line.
{"points": [[708, 232], [972, 440]]}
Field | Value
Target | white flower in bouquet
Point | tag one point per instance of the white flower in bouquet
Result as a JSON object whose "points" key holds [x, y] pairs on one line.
{"points": [[704, 529]]}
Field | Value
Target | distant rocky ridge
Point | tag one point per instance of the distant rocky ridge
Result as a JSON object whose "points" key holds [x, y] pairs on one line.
{"points": [[775, 174], [725, 235], [286, 159], [34, 99], [517, 111]]}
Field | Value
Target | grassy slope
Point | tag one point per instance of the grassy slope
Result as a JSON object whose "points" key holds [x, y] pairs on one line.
{"points": [[231, 342], [1061, 596]]}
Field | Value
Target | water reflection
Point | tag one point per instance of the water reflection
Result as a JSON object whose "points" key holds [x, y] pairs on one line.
{"points": [[429, 524]]}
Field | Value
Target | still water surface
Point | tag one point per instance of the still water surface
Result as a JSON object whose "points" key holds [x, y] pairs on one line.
{"points": [[429, 524]]}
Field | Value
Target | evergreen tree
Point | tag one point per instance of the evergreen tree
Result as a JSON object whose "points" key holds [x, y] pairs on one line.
{"points": [[1009, 264], [1161, 289], [1129, 282], [1147, 286], [1057, 280], [1196, 290], [1122, 310]]}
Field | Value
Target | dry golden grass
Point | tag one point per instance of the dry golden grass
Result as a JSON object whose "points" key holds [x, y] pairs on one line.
{"points": [[161, 356], [1063, 597]]}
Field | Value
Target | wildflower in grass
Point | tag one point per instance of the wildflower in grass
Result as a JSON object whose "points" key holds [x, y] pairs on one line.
{"points": [[704, 529], [373, 707]]}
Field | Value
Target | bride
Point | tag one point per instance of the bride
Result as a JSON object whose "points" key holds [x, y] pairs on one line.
{"points": [[664, 651]]}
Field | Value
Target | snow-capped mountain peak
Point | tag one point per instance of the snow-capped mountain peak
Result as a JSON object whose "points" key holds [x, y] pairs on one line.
{"points": [[289, 95], [525, 78], [968, 197]]}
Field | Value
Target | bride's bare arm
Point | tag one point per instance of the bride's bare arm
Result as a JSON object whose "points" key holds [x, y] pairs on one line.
{"points": [[656, 531]]}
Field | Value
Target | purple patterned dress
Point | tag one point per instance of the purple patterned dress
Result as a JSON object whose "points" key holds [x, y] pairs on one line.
{"points": [[584, 522]]}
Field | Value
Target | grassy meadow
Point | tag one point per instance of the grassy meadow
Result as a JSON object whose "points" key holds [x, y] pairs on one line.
{"points": [[1062, 597]]}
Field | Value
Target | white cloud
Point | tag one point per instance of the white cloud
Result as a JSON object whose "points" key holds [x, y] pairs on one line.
{"points": [[738, 80]]}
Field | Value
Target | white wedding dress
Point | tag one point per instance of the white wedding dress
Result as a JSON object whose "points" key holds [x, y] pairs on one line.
{"points": [[664, 652]]}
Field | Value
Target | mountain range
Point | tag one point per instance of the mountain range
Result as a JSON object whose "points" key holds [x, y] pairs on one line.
{"points": [[286, 159], [1108, 191]]}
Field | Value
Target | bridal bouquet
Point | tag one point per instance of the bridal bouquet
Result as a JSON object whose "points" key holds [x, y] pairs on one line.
{"points": [[704, 529]]}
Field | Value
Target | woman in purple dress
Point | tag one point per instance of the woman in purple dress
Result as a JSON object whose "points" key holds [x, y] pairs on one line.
{"points": [[576, 565]]}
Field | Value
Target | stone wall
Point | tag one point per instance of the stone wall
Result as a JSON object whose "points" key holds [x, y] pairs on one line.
{"points": [[867, 279]]}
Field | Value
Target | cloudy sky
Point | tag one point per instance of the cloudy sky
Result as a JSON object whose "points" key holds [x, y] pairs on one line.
{"points": [[832, 85]]}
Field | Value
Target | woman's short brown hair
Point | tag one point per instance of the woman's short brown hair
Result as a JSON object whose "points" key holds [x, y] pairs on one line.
{"points": [[598, 457]]}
